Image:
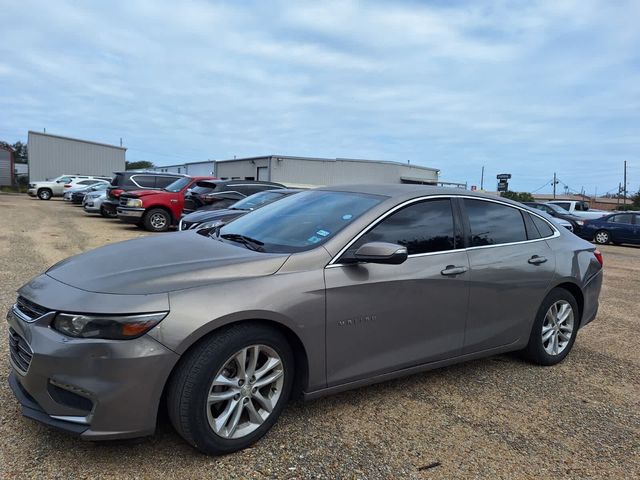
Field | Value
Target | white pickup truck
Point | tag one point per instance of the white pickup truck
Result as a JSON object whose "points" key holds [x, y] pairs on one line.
{"points": [[579, 208]]}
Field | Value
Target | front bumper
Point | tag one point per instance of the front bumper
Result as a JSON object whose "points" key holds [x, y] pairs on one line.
{"points": [[32, 192], [130, 214], [98, 389]]}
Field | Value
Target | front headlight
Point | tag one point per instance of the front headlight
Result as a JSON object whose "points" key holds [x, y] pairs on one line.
{"points": [[111, 327], [580, 222], [213, 224], [134, 202]]}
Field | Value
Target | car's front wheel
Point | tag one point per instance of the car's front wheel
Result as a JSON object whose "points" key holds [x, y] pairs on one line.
{"points": [[157, 220], [602, 237], [44, 194], [554, 329], [230, 389]]}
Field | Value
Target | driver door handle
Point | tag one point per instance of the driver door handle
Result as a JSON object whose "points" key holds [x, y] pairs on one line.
{"points": [[537, 260], [453, 270]]}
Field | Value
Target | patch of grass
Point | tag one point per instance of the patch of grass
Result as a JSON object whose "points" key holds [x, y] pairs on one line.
{"points": [[11, 189]]}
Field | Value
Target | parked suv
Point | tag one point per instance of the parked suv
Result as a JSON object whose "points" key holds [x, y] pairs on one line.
{"points": [[56, 187], [559, 213], [134, 180], [222, 193], [156, 210]]}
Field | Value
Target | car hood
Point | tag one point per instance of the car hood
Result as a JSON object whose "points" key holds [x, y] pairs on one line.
{"points": [[207, 215], [163, 263], [144, 193]]}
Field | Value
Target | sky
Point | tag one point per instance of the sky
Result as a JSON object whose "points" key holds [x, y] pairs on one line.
{"points": [[528, 88]]}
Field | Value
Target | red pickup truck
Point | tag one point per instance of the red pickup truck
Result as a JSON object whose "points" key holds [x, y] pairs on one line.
{"points": [[156, 210]]}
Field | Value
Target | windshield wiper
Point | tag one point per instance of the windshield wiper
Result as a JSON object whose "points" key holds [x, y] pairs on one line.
{"points": [[250, 243]]}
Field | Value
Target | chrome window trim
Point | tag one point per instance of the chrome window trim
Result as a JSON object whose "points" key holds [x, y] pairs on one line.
{"points": [[556, 233]]}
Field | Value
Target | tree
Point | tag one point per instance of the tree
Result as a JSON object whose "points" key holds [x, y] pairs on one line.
{"points": [[636, 200], [139, 165], [20, 154], [518, 196]]}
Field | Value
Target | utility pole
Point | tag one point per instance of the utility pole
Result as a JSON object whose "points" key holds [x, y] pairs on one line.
{"points": [[482, 179], [554, 185], [618, 195], [625, 183]]}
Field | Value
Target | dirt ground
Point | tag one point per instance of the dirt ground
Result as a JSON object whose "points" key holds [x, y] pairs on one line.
{"points": [[493, 418]]}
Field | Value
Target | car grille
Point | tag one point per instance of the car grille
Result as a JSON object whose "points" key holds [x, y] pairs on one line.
{"points": [[123, 201], [19, 351], [30, 309]]}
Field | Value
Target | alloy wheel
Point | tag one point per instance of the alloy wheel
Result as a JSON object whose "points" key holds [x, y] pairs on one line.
{"points": [[602, 237], [158, 221], [245, 391], [557, 327]]}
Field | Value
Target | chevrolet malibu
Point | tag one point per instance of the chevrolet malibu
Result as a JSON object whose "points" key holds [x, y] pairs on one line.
{"points": [[320, 292]]}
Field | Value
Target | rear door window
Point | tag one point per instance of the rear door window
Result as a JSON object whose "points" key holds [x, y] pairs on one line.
{"points": [[494, 223], [423, 227], [162, 181], [622, 218], [144, 181], [565, 205]]}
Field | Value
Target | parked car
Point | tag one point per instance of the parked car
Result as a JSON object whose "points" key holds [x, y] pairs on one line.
{"points": [[56, 187], [156, 210], [206, 218], [134, 180], [78, 183], [578, 208], [223, 193], [317, 293], [92, 201], [558, 212], [622, 227], [77, 196]]}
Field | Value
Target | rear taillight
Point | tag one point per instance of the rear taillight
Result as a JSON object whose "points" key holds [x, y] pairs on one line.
{"points": [[117, 193], [598, 255], [67, 185]]}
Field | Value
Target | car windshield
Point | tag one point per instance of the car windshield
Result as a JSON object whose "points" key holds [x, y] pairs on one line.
{"points": [[178, 185], [299, 222], [256, 200], [555, 208]]}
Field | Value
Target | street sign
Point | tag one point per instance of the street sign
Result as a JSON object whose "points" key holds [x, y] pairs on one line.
{"points": [[503, 186], [503, 176]]}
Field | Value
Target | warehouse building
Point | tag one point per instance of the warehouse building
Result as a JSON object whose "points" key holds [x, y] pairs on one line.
{"points": [[53, 155], [195, 169], [6, 166], [312, 172]]}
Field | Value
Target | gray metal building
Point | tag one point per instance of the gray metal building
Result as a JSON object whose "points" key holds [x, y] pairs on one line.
{"points": [[6, 166], [53, 155], [195, 169], [312, 172]]}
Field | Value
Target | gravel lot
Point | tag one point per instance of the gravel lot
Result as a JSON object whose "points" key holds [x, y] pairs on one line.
{"points": [[493, 418]]}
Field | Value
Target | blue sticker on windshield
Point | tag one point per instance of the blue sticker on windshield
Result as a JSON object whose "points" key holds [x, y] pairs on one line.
{"points": [[313, 239], [348, 216], [322, 233]]}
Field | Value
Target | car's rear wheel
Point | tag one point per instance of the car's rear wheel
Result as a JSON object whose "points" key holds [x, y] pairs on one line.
{"points": [[157, 220], [230, 389], [554, 329], [602, 237], [106, 213], [44, 194]]}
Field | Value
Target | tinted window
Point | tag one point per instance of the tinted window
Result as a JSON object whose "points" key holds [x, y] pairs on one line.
{"points": [[146, 181], [493, 223], [87, 182], [257, 200], [163, 182], [178, 185], [117, 179], [422, 227], [622, 218], [205, 187], [303, 221], [543, 227], [564, 205]]}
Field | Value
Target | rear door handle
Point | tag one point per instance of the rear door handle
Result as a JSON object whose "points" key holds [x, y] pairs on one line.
{"points": [[453, 270], [537, 260]]}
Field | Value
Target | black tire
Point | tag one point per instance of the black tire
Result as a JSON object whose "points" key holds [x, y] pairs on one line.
{"points": [[602, 237], [157, 220], [190, 384], [535, 350], [45, 194], [106, 214]]}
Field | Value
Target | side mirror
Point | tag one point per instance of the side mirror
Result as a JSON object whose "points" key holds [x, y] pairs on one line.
{"points": [[381, 252]]}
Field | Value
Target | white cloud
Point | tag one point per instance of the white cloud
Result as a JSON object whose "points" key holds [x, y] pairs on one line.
{"points": [[527, 87]]}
